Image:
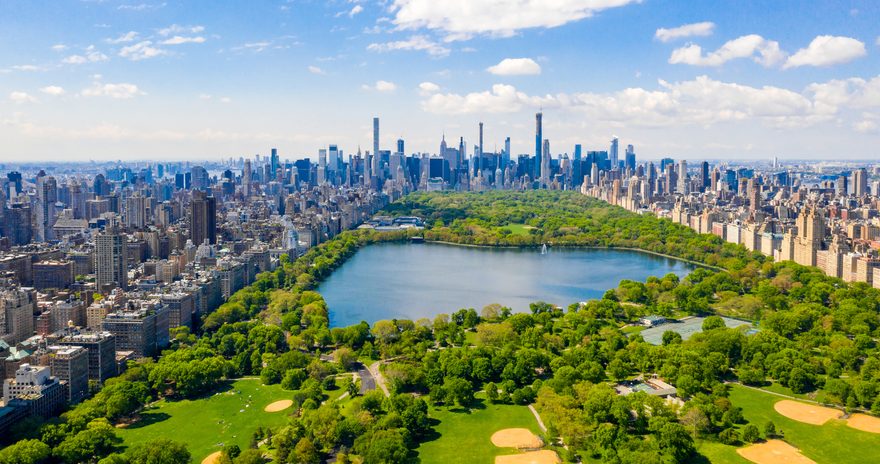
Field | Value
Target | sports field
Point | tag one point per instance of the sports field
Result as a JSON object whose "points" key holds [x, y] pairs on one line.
{"points": [[831, 443], [465, 436], [231, 415]]}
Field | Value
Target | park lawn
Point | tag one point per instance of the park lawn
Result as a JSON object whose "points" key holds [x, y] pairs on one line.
{"points": [[464, 436], [832, 443], [818, 395], [229, 416], [518, 229]]}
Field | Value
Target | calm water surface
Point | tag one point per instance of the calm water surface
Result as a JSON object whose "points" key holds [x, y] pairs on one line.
{"points": [[411, 281]]}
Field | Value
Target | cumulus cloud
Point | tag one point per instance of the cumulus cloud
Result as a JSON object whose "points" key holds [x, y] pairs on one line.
{"points": [[416, 42], [28, 67], [21, 97], [53, 90], [701, 101], [827, 50], [179, 40], [702, 29], [129, 36], [141, 51], [178, 29], [515, 67], [91, 55], [316, 70], [463, 19], [355, 10], [761, 50], [427, 88], [141, 6], [119, 91], [381, 86], [59, 47]]}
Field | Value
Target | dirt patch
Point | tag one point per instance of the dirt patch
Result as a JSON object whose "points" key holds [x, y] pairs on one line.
{"points": [[807, 413], [864, 423], [532, 457], [212, 458], [278, 406], [516, 438], [774, 452]]}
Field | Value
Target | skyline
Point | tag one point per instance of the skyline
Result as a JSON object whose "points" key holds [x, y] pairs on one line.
{"points": [[136, 81]]}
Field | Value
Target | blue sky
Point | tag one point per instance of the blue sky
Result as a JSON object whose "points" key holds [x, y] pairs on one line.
{"points": [[734, 79]]}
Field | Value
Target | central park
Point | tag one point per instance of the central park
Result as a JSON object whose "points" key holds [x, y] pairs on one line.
{"points": [[748, 360]]}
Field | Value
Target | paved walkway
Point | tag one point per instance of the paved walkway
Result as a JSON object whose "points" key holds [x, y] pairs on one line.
{"points": [[538, 418]]}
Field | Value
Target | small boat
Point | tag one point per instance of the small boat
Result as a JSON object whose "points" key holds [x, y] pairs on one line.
{"points": [[544, 249]]}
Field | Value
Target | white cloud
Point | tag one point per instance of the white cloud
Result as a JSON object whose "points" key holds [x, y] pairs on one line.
{"points": [[702, 29], [255, 47], [827, 50], [515, 67], [416, 42], [702, 101], [118, 91], [878, 41], [178, 29], [53, 90], [91, 56], [381, 86], [28, 67], [427, 88], [141, 51], [355, 10], [316, 70], [141, 6], [21, 97], [129, 36], [462, 19], [869, 125], [225, 100], [761, 50], [59, 47], [179, 40]]}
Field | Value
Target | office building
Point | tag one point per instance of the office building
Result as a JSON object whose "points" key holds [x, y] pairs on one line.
{"points": [[110, 260], [101, 349], [71, 364], [203, 219]]}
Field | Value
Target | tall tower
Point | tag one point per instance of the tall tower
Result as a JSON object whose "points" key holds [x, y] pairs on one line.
{"points": [[374, 171], [203, 219], [273, 163], [479, 156], [612, 153], [539, 137], [860, 182], [545, 163], [110, 268]]}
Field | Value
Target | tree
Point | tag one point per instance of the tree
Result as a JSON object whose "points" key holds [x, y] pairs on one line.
{"points": [[98, 439], [231, 451], [250, 456], [750, 433], [159, 451], [491, 312], [769, 429], [491, 392], [345, 357], [696, 420], [305, 453], [25, 452], [728, 436], [713, 322], [671, 338]]}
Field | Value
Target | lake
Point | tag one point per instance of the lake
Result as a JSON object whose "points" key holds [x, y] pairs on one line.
{"points": [[412, 281]]}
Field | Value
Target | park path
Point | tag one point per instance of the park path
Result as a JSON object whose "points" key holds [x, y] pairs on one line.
{"points": [[377, 375], [538, 418]]}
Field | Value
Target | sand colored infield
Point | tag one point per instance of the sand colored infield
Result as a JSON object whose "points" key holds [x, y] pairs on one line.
{"points": [[864, 423], [807, 413], [212, 458], [532, 457], [774, 452], [516, 438], [278, 406]]}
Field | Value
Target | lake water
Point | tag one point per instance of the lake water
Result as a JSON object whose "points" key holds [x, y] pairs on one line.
{"points": [[412, 281]]}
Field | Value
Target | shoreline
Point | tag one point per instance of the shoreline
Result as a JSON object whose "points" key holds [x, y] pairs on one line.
{"points": [[639, 250]]}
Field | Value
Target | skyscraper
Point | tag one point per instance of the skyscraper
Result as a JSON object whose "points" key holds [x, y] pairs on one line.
{"points": [[612, 153], [682, 177], [539, 137], [273, 163], [630, 160], [479, 156], [374, 166], [860, 182], [47, 195], [110, 268], [203, 219]]}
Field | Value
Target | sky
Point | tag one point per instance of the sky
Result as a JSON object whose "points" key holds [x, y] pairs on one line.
{"points": [[133, 80]]}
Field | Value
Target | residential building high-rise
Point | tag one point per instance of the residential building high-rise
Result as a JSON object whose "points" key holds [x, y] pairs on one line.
{"points": [[71, 364], [101, 348], [860, 182], [374, 170], [613, 153], [44, 204], [630, 161], [17, 306], [539, 138], [273, 163], [682, 185], [110, 262], [203, 218]]}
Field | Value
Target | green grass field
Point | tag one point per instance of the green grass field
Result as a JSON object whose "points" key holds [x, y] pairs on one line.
{"points": [[230, 416], [832, 443], [518, 229], [464, 436]]}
